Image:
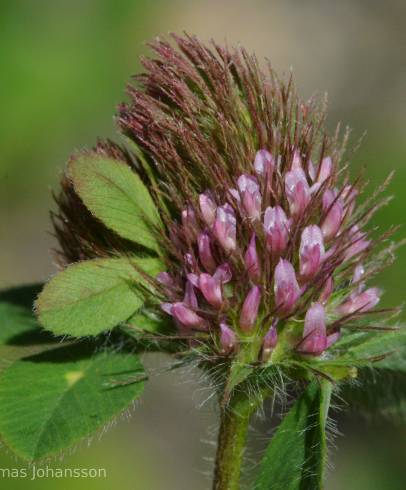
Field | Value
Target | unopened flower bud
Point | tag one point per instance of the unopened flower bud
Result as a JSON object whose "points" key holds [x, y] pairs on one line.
{"points": [[252, 261], [189, 219], [190, 298], [269, 342], [264, 162], [187, 317], [311, 170], [332, 338], [194, 279], [228, 340], [325, 169], [360, 303], [225, 227], [297, 191], [211, 290], [311, 251], [296, 161], [207, 208], [358, 243], [327, 290], [249, 311], [359, 272], [165, 279], [205, 255], [276, 226], [314, 332], [251, 196], [349, 194], [167, 308], [287, 290], [357, 279], [223, 273], [335, 213]]}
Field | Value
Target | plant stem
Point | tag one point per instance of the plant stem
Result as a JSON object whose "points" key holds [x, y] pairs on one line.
{"points": [[231, 442]]}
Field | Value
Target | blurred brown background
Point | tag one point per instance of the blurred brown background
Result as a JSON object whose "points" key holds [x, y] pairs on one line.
{"points": [[63, 69]]}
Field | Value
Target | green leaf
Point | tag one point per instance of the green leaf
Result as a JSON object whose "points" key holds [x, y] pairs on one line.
{"points": [[116, 195], [15, 321], [90, 297], [296, 456], [377, 393], [52, 400], [21, 295], [20, 334], [380, 390], [372, 346]]}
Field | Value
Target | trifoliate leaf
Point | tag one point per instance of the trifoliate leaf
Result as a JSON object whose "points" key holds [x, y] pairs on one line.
{"points": [[116, 195], [90, 297], [296, 456], [52, 400]]}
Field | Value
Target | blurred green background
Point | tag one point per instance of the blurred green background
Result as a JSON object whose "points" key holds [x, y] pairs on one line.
{"points": [[64, 65]]}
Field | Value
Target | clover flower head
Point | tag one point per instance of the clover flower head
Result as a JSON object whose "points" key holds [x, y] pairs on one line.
{"points": [[263, 238]]}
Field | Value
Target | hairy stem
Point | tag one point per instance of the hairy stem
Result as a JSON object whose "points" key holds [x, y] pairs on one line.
{"points": [[232, 437]]}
